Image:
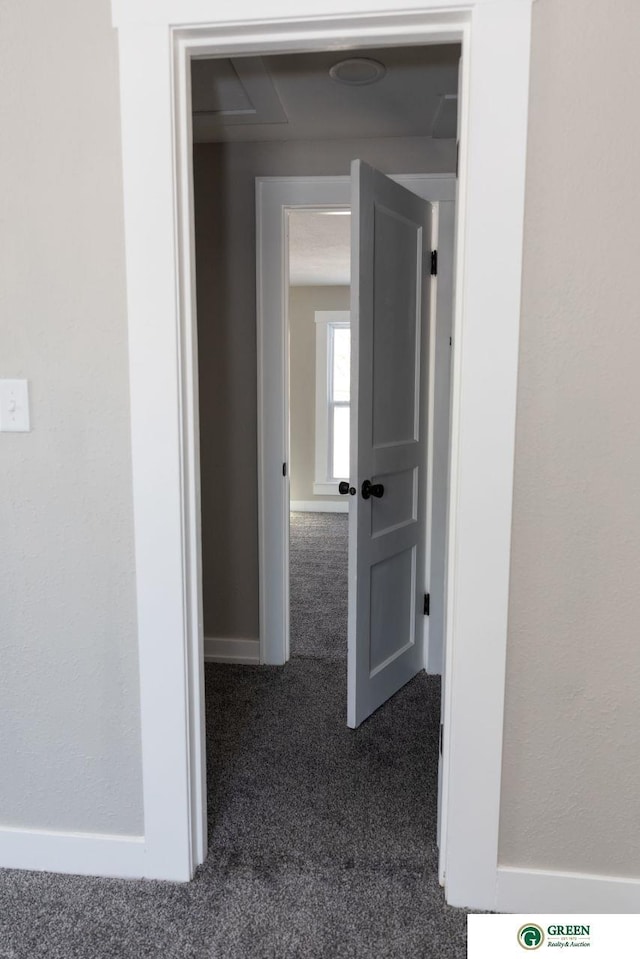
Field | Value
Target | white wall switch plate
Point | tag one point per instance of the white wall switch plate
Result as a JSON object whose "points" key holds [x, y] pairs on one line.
{"points": [[14, 406]]}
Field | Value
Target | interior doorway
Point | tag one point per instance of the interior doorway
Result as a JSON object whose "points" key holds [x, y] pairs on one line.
{"points": [[420, 155], [277, 200], [318, 320], [351, 781], [157, 161], [388, 123]]}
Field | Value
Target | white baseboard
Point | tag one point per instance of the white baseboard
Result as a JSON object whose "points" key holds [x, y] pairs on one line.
{"points": [[318, 506], [81, 854], [542, 891], [326, 489], [232, 650]]}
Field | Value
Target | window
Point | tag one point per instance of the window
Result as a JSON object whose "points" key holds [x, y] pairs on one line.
{"points": [[333, 399]]}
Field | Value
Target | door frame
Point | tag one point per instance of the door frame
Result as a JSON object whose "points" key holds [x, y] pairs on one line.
{"points": [[156, 44], [275, 197]]}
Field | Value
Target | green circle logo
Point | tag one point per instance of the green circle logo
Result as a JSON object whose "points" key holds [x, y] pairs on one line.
{"points": [[530, 936]]}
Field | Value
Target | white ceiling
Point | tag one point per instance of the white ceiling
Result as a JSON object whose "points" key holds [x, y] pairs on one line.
{"points": [[319, 249], [292, 97]]}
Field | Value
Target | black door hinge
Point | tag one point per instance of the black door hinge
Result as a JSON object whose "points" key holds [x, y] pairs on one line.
{"points": [[434, 263], [427, 603], [284, 469]]}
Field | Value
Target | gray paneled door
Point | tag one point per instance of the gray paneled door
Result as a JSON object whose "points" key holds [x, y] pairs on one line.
{"points": [[387, 533]]}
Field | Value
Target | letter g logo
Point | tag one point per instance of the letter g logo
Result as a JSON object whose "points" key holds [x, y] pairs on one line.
{"points": [[530, 936]]}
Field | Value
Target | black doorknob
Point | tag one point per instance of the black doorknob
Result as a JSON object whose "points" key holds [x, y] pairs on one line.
{"points": [[372, 489], [344, 488]]}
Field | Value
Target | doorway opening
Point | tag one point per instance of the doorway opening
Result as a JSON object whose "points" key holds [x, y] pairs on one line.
{"points": [[235, 168], [318, 321], [159, 225]]}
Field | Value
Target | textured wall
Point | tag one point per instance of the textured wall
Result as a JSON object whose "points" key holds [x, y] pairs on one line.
{"points": [[69, 713], [225, 261], [572, 729], [303, 302]]}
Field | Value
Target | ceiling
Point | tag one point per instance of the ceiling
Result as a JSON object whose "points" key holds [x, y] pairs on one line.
{"points": [[293, 97], [319, 249]]}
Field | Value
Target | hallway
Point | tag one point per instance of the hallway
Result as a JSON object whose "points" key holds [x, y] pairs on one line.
{"points": [[322, 839], [335, 826]]}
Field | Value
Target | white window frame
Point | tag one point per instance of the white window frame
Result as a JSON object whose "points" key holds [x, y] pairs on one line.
{"points": [[326, 321], [156, 44]]}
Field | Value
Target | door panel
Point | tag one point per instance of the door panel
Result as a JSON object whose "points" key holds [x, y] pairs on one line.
{"points": [[395, 279], [399, 505], [390, 636], [388, 428]]}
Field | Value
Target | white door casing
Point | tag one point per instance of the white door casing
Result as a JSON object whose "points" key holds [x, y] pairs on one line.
{"points": [[440, 360], [156, 43], [440, 541], [391, 233]]}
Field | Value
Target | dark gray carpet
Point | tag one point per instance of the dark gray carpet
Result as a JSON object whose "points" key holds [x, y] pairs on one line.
{"points": [[322, 839], [318, 571]]}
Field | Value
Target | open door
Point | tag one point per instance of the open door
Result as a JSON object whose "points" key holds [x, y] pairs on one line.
{"points": [[391, 230]]}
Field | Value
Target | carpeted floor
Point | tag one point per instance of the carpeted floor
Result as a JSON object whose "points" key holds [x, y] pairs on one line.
{"points": [[318, 572], [322, 839]]}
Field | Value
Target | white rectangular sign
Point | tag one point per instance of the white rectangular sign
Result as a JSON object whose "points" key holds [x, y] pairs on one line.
{"points": [[551, 936]]}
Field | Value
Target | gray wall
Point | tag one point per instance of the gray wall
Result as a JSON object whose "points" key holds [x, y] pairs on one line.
{"points": [[225, 249], [69, 712], [303, 302], [572, 748]]}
